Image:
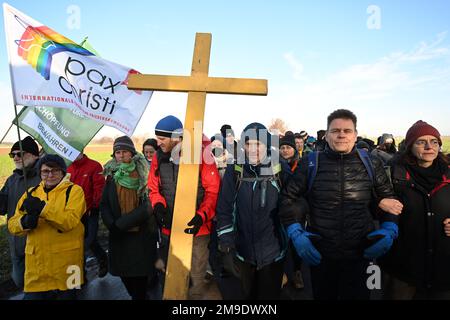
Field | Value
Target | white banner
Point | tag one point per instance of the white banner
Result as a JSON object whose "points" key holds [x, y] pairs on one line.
{"points": [[49, 69]]}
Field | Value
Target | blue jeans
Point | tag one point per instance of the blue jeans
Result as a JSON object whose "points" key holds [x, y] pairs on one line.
{"points": [[17, 251]]}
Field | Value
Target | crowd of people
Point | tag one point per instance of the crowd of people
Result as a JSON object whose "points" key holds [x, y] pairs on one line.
{"points": [[266, 205]]}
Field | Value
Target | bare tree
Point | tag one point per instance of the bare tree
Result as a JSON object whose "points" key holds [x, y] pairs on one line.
{"points": [[278, 124]]}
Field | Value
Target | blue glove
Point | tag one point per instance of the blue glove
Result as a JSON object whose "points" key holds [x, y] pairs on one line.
{"points": [[303, 245], [386, 235]]}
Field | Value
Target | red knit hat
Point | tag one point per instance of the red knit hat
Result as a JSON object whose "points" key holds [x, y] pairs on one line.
{"points": [[419, 129]]}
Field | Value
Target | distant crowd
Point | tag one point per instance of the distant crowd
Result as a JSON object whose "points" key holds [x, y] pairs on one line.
{"points": [[337, 203]]}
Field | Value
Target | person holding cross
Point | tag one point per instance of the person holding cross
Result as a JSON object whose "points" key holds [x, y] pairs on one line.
{"points": [[162, 182]]}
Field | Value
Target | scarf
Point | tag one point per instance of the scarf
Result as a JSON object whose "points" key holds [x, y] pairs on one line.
{"points": [[123, 178], [141, 164], [430, 177]]}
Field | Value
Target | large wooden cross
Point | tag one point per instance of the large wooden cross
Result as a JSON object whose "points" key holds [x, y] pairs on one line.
{"points": [[197, 85]]}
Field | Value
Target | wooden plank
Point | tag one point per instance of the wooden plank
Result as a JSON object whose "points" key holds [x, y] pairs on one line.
{"points": [[237, 86], [198, 84], [201, 56], [180, 252]]}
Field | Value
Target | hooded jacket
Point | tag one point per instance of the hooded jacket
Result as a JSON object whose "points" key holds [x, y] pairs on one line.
{"points": [[162, 183], [56, 244]]}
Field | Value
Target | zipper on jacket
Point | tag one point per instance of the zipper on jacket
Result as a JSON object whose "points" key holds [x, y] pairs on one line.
{"points": [[430, 238], [429, 252], [341, 213]]}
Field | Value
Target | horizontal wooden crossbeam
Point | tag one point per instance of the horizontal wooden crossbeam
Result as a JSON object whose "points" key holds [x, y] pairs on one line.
{"points": [[198, 84]]}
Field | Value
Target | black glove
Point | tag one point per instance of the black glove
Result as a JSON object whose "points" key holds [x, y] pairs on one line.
{"points": [[228, 257], [162, 216], [33, 205], [195, 223], [29, 221]]}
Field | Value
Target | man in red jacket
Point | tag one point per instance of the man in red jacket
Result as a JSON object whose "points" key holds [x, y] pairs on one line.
{"points": [[162, 183], [87, 173]]}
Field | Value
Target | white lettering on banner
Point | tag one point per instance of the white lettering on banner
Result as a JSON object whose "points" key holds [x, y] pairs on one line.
{"points": [[50, 116], [50, 137]]}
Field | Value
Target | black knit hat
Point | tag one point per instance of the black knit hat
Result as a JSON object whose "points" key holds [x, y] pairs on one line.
{"points": [[256, 131], [289, 140], [28, 145], [54, 158], [124, 143]]}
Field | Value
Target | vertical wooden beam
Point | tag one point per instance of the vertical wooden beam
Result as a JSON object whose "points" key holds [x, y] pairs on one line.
{"points": [[180, 251]]}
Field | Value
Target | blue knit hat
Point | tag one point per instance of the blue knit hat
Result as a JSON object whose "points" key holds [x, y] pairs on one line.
{"points": [[169, 126]]}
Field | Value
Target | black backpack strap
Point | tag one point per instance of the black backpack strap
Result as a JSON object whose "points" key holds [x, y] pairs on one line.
{"points": [[238, 176], [34, 189], [68, 193]]}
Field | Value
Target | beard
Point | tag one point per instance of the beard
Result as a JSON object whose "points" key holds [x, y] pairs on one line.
{"points": [[29, 162]]}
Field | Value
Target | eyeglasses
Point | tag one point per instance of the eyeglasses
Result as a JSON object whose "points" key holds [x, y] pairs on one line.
{"points": [[422, 143], [47, 172], [18, 154]]}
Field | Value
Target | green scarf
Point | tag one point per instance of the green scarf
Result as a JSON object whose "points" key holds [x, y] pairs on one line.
{"points": [[122, 176], [141, 164]]}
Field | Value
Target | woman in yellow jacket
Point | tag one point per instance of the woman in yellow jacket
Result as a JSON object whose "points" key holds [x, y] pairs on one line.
{"points": [[50, 217]]}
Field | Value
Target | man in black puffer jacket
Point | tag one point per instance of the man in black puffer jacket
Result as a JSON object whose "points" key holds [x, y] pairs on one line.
{"points": [[341, 239]]}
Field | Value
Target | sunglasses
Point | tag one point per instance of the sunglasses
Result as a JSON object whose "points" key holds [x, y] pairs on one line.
{"points": [[18, 154]]}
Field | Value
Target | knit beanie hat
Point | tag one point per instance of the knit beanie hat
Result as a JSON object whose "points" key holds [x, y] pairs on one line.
{"points": [[169, 126], [303, 134], [288, 139], [387, 138], [257, 131], [55, 159], [419, 129], [124, 143], [28, 145]]}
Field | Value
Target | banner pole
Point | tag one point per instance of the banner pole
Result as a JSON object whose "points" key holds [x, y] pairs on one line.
{"points": [[8, 43]]}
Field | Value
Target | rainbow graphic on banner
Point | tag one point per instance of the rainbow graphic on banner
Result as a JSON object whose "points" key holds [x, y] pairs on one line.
{"points": [[38, 45]]}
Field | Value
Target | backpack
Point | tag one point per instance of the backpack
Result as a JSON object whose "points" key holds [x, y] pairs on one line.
{"points": [[313, 160], [274, 179]]}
